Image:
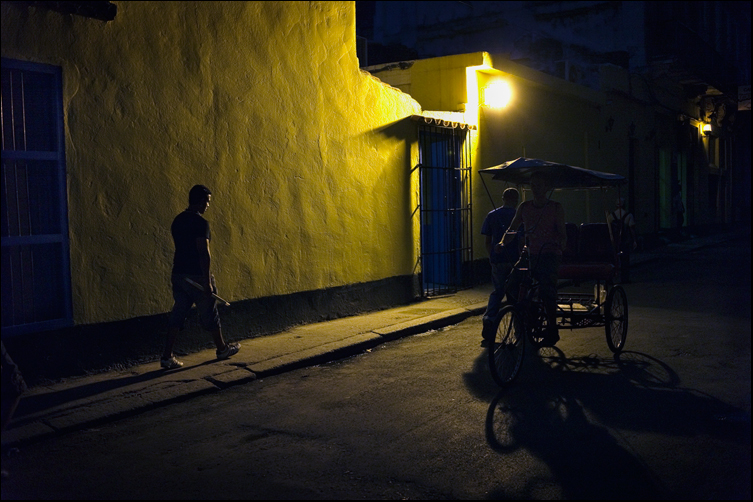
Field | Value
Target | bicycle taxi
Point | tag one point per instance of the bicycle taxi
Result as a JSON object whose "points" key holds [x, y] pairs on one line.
{"points": [[590, 258]]}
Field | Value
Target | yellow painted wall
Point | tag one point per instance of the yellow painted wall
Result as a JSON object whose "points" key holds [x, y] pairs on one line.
{"points": [[440, 83], [307, 156], [547, 118]]}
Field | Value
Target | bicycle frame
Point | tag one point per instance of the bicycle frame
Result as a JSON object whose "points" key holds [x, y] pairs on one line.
{"points": [[528, 303]]}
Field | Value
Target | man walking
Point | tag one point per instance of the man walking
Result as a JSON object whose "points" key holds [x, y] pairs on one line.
{"points": [[623, 232], [192, 259], [501, 258]]}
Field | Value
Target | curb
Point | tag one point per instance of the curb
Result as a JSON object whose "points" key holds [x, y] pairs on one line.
{"points": [[124, 405]]}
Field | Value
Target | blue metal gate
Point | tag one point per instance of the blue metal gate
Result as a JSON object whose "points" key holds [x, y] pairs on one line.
{"points": [[445, 191]]}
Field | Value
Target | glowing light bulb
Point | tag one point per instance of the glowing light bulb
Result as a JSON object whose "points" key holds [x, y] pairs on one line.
{"points": [[497, 94]]}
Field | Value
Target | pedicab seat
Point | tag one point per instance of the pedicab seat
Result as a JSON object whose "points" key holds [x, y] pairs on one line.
{"points": [[595, 259]]}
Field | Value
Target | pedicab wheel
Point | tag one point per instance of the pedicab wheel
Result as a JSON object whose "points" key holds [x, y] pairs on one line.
{"points": [[616, 318], [507, 349]]}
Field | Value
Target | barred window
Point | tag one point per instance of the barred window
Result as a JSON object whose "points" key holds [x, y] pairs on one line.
{"points": [[35, 254]]}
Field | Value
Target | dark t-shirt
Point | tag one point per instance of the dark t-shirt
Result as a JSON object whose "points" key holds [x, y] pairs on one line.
{"points": [[496, 224], [186, 228]]}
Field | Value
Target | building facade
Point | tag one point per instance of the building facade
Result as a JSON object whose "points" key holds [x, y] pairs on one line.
{"points": [[113, 110], [680, 63]]}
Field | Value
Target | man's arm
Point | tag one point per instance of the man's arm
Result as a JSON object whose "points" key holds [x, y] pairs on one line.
{"points": [[489, 247], [205, 258], [514, 225]]}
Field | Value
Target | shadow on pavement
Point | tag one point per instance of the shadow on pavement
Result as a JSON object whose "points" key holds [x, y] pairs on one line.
{"points": [[36, 403], [574, 414]]}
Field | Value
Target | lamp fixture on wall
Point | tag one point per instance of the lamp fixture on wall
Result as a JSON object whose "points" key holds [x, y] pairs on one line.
{"points": [[497, 94], [706, 129]]}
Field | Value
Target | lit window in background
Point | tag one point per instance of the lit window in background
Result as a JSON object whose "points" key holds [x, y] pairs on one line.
{"points": [[497, 94]]}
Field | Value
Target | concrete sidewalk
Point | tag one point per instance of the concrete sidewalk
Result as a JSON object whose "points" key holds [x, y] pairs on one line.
{"points": [[84, 402]]}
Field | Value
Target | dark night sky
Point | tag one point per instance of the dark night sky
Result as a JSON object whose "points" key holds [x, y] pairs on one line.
{"points": [[365, 19]]}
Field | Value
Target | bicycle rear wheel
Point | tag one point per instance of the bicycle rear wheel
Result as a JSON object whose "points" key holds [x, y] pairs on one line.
{"points": [[507, 349], [616, 318]]}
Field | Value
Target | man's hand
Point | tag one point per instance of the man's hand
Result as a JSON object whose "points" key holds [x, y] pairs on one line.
{"points": [[205, 258], [207, 285]]}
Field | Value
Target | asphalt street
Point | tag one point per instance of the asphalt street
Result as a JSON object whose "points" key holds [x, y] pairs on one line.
{"points": [[419, 417]]}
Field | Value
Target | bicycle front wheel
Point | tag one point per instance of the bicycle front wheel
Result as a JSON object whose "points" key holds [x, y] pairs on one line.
{"points": [[507, 349]]}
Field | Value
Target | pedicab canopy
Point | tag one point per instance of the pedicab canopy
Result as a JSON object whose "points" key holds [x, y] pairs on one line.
{"points": [[519, 172]]}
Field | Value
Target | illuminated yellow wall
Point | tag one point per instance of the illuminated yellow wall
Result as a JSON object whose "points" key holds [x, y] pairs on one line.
{"points": [[440, 83], [307, 156], [547, 118]]}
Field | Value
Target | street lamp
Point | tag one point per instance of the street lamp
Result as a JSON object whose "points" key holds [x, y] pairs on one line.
{"points": [[497, 94]]}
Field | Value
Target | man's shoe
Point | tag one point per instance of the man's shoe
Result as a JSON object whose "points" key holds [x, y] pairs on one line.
{"points": [[230, 350], [170, 364], [488, 331]]}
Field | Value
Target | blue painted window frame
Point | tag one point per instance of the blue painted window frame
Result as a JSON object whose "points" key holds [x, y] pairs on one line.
{"points": [[36, 279]]}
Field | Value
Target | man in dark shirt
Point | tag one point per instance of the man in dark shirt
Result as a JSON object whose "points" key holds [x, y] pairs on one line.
{"points": [[191, 261], [501, 258]]}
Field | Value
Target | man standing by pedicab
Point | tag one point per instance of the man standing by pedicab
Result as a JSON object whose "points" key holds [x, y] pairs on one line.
{"points": [[544, 223], [501, 258]]}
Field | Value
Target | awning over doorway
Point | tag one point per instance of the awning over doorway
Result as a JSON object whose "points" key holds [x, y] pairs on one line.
{"points": [[438, 122]]}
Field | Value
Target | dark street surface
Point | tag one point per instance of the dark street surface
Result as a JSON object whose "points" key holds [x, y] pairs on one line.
{"points": [[420, 418]]}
